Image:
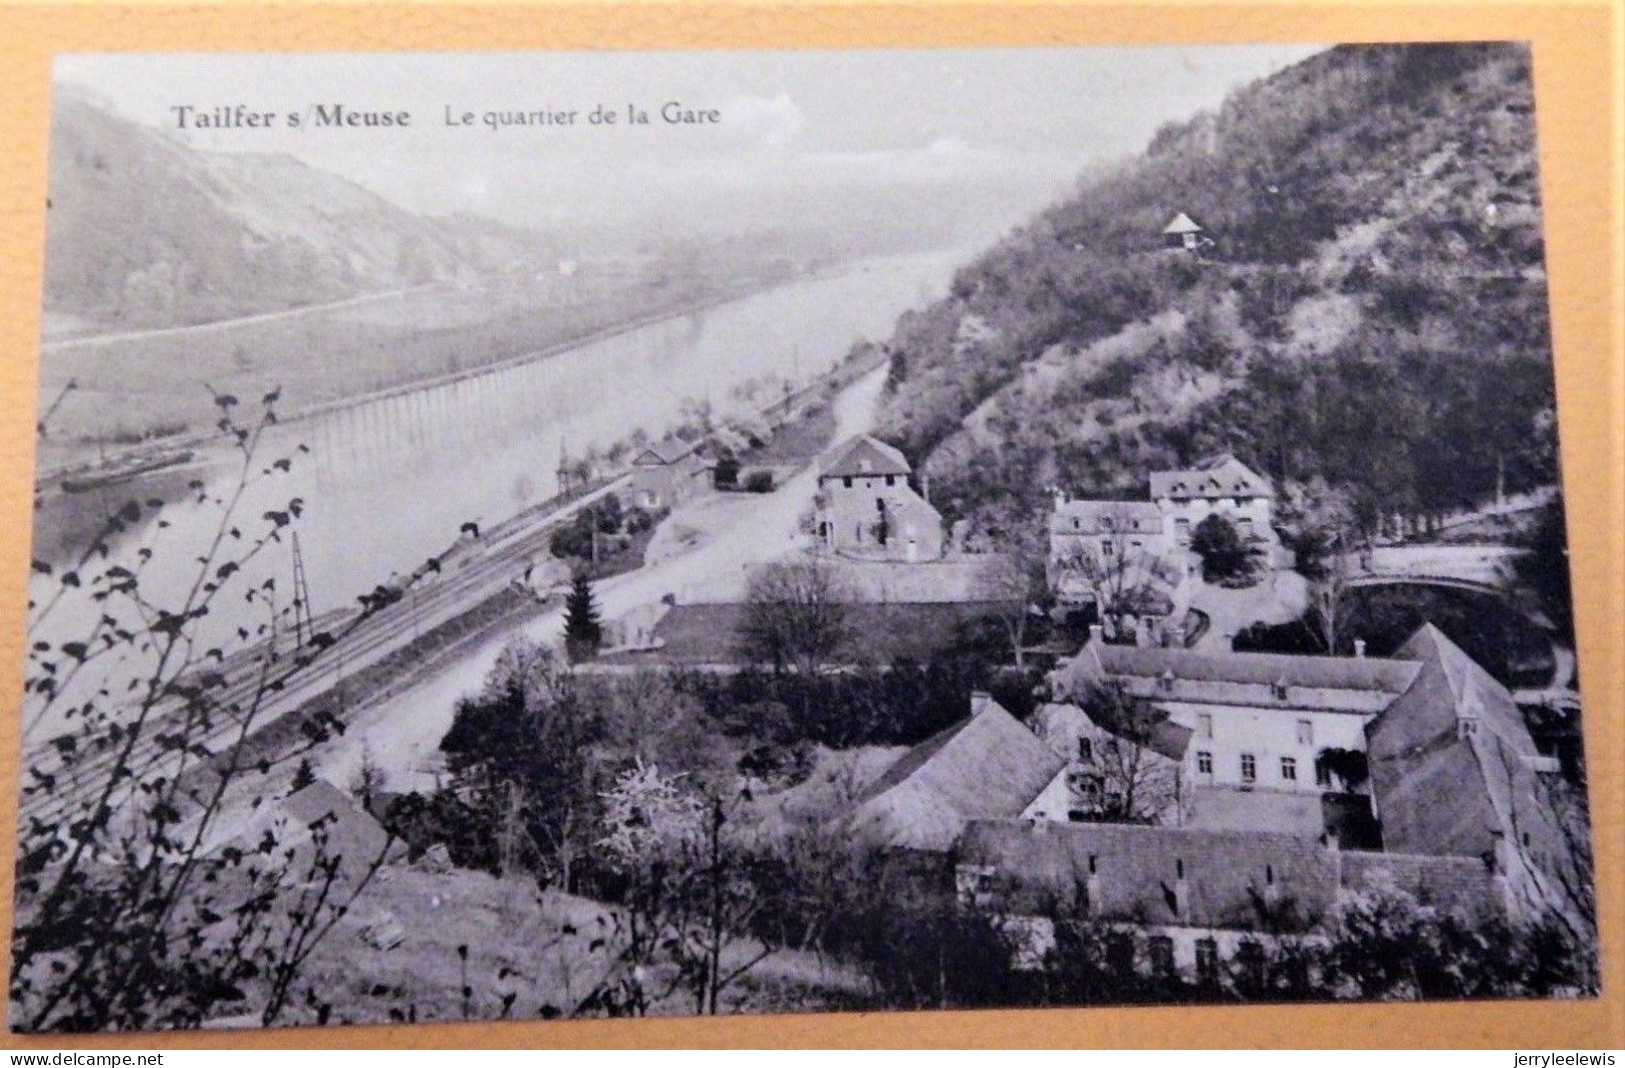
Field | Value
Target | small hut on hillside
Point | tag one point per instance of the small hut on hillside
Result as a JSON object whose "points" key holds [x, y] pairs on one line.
{"points": [[1183, 232]]}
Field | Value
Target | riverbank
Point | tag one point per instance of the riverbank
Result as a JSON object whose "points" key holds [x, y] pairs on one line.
{"points": [[359, 383]]}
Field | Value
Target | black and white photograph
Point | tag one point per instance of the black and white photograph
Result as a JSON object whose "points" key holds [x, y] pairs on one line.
{"points": [[532, 536]]}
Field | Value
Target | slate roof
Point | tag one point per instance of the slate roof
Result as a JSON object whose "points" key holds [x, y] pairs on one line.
{"points": [[1106, 517], [864, 455], [1182, 224], [1228, 876], [985, 766], [1224, 476], [664, 453], [1442, 789], [1234, 880], [1330, 683]]}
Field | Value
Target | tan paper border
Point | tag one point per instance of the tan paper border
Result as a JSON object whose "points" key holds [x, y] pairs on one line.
{"points": [[1577, 48]]}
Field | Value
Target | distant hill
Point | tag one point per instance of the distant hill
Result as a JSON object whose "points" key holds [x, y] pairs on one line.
{"points": [[1368, 306], [147, 231]]}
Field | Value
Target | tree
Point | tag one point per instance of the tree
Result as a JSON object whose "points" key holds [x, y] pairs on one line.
{"points": [[796, 616], [129, 915], [369, 780], [690, 899], [1127, 581], [583, 632], [524, 753], [1543, 568], [1316, 521], [1011, 582], [1132, 782], [1225, 556]]}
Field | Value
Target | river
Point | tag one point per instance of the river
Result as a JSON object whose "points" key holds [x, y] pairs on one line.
{"points": [[388, 482]]}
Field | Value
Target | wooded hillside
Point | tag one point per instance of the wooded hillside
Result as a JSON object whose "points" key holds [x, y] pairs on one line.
{"points": [[1371, 307]]}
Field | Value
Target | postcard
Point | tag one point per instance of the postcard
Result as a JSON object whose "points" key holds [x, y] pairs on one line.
{"points": [[547, 535]]}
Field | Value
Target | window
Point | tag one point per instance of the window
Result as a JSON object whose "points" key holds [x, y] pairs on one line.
{"points": [[847, 481], [880, 504], [1105, 548], [1289, 769], [1280, 689], [1205, 722], [1161, 951], [1323, 774], [1166, 681], [1077, 524], [1306, 732], [891, 480], [1204, 762], [1249, 768], [1207, 960], [1086, 750]]}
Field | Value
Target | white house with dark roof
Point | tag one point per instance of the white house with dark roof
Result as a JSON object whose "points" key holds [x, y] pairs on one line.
{"points": [[867, 507], [1223, 486], [1089, 538]]}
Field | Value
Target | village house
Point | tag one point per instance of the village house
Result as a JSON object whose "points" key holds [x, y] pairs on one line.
{"points": [[1271, 734], [667, 474], [985, 766], [1138, 543], [867, 508], [1183, 900], [1271, 787]]}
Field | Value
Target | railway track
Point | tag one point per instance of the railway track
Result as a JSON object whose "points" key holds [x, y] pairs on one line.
{"points": [[467, 574]]}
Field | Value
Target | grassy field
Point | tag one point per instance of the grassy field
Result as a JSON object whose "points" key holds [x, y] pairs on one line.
{"points": [[542, 952]]}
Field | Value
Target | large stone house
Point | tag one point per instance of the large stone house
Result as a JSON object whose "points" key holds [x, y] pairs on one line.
{"points": [[867, 508], [1138, 543]]}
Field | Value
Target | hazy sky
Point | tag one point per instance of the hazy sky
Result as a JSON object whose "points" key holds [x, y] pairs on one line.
{"points": [[790, 121]]}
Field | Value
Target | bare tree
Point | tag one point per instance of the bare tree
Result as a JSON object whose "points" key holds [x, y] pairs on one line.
{"points": [[1127, 780], [691, 899], [1125, 579], [796, 615], [1009, 582], [129, 911]]}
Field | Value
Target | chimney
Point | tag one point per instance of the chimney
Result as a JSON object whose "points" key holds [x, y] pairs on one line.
{"points": [[1359, 647], [1097, 634], [980, 701]]}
